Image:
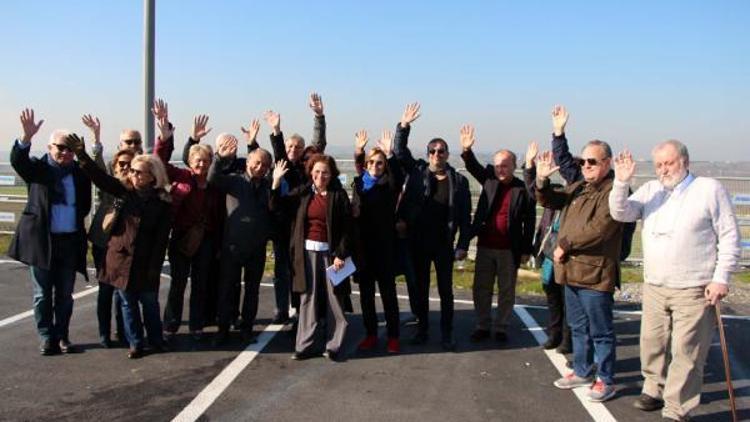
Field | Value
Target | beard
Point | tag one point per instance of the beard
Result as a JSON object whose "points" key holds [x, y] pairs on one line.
{"points": [[672, 180]]}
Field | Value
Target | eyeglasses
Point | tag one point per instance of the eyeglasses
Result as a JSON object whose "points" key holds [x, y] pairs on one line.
{"points": [[132, 141], [62, 147], [376, 162], [590, 161], [123, 164], [436, 151]]}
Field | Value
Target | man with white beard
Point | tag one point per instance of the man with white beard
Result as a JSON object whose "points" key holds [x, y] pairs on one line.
{"points": [[690, 248]]}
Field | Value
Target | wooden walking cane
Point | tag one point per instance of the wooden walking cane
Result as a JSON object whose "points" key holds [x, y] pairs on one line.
{"points": [[725, 356]]}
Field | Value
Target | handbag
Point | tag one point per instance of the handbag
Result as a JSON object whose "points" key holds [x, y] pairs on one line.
{"points": [[189, 243]]}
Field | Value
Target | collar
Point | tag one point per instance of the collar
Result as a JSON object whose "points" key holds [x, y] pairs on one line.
{"points": [[682, 185]]}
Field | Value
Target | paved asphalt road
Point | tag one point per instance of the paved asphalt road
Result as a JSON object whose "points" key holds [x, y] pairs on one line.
{"points": [[476, 383]]}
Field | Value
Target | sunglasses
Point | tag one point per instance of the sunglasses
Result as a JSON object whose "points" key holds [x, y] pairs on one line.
{"points": [[123, 164], [132, 141], [590, 161], [376, 162], [436, 151], [62, 147]]}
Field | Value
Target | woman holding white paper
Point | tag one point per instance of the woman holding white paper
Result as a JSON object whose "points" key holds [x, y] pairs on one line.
{"points": [[375, 194], [320, 239]]}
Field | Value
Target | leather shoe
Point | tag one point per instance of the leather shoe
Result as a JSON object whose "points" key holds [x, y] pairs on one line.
{"points": [[48, 348], [67, 347], [551, 343], [135, 353], [221, 337], [479, 335], [564, 348], [648, 403], [501, 337], [280, 318], [419, 338], [304, 355]]}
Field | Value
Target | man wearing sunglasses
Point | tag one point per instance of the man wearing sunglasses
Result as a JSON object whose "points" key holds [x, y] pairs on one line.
{"points": [[587, 262], [435, 206], [51, 236]]}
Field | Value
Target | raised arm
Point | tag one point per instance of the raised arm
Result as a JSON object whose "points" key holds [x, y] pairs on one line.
{"points": [[545, 195], [624, 207], [251, 135], [277, 137], [319, 129], [401, 148], [529, 168], [30, 171], [98, 176], [569, 168], [360, 141], [467, 155], [217, 176]]}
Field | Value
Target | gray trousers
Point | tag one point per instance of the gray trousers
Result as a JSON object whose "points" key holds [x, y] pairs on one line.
{"points": [[491, 265], [319, 303]]}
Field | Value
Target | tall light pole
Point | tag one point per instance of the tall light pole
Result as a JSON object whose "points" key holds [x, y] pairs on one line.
{"points": [[148, 70]]}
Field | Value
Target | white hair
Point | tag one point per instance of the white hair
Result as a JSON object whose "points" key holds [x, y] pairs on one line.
{"points": [[58, 135]]}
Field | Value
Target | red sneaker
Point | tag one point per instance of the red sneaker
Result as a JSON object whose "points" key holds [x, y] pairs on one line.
{"points": [[393, 345], [368, 343]]}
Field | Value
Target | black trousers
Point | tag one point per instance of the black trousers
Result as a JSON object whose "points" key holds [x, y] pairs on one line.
{"points": [[198, 268], [387, 284], [231, 272], [557, 326], [437, 250]]}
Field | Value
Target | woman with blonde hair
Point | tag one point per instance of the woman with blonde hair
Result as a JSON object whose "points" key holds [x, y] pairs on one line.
{"points": [[138, 241]]}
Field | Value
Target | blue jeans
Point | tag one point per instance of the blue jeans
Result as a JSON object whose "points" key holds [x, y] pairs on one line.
{"points": [[589, 315], [281, 275], [53, 289], [131, 313]]}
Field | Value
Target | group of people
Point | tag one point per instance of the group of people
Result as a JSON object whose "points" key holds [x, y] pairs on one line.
{"points": [[215, 216]]}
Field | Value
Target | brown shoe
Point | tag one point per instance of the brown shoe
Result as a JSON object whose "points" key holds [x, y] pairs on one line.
{"points": [[135, 353]]}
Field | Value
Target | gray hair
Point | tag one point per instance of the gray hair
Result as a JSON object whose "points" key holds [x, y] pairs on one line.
{"points": [[296, 137], [58, 135], [507, 152], [265, 155], [603, 145], [679, 146]]}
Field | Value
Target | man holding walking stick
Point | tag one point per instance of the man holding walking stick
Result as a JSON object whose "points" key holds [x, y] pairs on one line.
{"points": [[690, 248]]}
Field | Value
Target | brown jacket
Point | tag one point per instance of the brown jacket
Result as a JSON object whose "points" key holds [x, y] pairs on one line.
{"points": [[588, 234]]}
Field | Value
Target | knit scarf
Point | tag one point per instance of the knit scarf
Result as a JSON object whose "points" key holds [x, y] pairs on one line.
{"points": [[57, 193], [368, 181]]}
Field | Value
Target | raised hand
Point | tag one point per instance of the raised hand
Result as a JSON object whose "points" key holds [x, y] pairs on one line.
{"points": [[30, 128], [467, 137], [386, 142], [545, 165], [411, 113], [165, 128], [559, 119], [75, 143], [227, 147], [624, 166], [360, 141], [252, 132], [199, 127], [279, 170], [93, 124], [316, 104], [274, 120], [160, 109], [531, 152]]}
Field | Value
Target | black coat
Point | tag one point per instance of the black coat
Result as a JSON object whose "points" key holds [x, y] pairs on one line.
{"points": [[375, 226], [521, 215], [32, 242], [417, 192], [338, 222]]}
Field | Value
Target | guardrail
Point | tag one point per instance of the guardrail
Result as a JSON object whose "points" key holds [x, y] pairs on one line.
{"points": [[13, 200]]}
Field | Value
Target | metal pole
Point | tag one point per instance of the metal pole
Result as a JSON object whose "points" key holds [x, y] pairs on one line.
{"points": [[148, 70]]}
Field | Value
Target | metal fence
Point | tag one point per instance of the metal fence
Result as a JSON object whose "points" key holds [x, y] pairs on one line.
{"points": [[13, 200]]}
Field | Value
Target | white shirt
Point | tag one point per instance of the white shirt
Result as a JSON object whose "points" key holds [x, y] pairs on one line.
{"points": [[690, 235]]}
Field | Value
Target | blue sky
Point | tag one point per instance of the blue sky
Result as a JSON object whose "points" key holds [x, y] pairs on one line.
{"points": [[631, 73]]}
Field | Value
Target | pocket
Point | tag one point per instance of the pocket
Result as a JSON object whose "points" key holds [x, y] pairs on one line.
{"points": [[585, 269]]}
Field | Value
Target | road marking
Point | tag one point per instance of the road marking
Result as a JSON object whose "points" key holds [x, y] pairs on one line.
{"points": [[218, 385], [598, 411]]}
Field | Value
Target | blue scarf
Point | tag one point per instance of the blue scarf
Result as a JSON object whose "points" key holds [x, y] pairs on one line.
{"points": [[368, 181]]}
